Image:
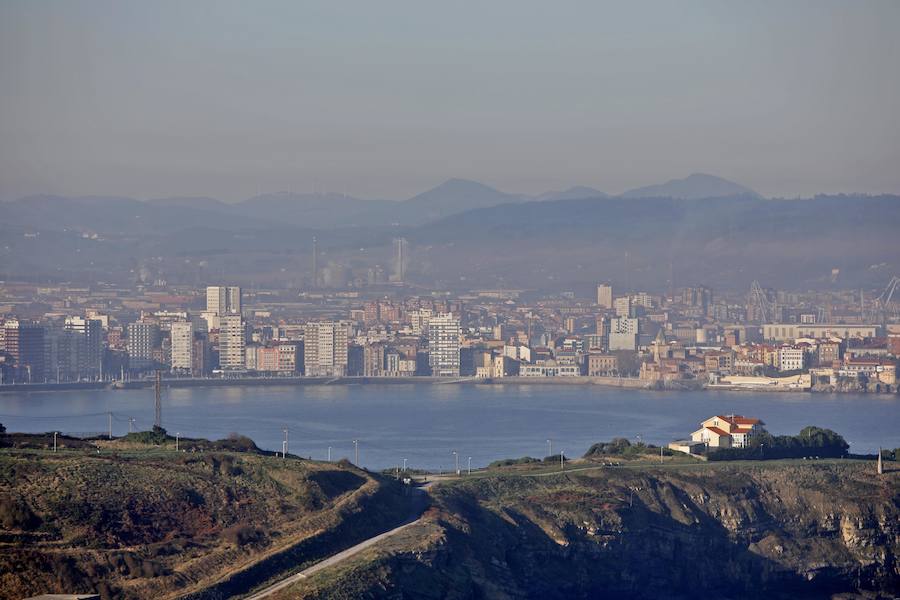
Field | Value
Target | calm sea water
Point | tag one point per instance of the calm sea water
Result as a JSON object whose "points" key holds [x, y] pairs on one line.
{"points": [[425, 423]]}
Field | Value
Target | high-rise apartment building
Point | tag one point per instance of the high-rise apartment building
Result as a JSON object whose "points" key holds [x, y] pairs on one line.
{"points": [[182, 346], [143, 343], [223, 300], [623, 334], [232, 341], [443, 345], [623, 306], [325, 348], [605, 295], [89, 342], [24, 341]]}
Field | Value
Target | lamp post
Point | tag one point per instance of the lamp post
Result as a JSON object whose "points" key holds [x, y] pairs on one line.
{"points": [[329, 453], [54, 440], [456, 458], [177, 436], [404, 465], [356, 450], [470, 465], [562, 459]]}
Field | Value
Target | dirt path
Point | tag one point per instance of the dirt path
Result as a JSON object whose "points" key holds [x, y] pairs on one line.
{"points": [[353, 550]]}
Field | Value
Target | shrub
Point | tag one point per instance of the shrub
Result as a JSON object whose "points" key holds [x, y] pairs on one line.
{"points": [[242, 534], [508, 462], [15, 514], [157, 436], [811, 441]]}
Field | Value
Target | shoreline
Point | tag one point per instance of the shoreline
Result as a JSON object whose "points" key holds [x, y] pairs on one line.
{"points": [[631, 383]]}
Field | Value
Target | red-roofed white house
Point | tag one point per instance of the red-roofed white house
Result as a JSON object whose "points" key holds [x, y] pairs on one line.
{"points": [[728, 431]]}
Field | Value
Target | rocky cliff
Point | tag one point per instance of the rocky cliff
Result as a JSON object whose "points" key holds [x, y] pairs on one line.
{"points": [[787, 529]]}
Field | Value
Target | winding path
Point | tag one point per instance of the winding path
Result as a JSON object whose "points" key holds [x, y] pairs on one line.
{"points": [[341, 556]]}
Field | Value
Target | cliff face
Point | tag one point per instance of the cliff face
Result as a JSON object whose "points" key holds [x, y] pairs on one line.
{"points": [[779, 530], [156, 524]]}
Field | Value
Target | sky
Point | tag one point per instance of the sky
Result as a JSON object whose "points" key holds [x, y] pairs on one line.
{"points": [[386, 99]]}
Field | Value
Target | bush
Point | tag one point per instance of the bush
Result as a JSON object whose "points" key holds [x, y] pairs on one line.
{"points": [[157, 436], [15, 514], [236, 443], [242, 534], [508, 462], [811, 441]]}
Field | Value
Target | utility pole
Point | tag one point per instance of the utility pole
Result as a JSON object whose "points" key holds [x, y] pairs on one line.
{"points": [[284, 444], [356, 449], [549, 448], [562, 460], [470, 465], [54, 440], [880, 467], [158, 416], [177, 435], [329, 453], [109, 417], [404, 465]]}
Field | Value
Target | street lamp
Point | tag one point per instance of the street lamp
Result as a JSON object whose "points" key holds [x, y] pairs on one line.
{"points": [[356, 449], [470, 465], [177, 435], [456, 457], [329, 453], [404, 465], [562, 458]]}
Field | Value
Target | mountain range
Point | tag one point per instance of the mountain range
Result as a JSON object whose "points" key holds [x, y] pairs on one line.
{"points": [[701, 229], [318, 210]]}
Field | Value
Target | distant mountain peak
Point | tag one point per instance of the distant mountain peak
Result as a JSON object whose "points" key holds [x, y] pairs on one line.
{"points": [[693, 187], [460, 184], [576, 192]]}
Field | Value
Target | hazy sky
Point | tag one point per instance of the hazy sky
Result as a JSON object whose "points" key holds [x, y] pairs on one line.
{"points": [[385, 99]]}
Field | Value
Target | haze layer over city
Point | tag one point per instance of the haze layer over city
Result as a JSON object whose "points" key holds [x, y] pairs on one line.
{"points": [[471, 300]]}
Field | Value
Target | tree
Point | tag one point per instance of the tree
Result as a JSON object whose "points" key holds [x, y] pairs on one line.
{"points": [[817, 437], [2, 428]]}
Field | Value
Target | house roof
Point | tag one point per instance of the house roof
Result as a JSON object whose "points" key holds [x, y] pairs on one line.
{"points": [[739, 420], [717, 431]]}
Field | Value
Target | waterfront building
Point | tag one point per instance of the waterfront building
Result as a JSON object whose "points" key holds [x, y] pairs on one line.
{"points": [[143, 340], [24, 342], [182, 334], [89, 345], [728, 431], [443, 345], [600, 365], [232, 342], [791, 358], [325, 348]]}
